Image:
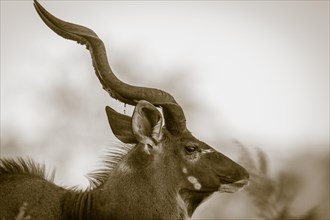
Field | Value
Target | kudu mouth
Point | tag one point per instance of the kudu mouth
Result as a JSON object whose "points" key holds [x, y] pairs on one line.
{"points": [[233, 187], [230, 185]]}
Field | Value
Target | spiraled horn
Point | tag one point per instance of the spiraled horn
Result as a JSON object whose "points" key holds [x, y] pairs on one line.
{"points": [[175, 121]]}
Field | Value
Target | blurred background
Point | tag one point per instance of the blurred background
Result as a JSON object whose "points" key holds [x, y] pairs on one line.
{"points": [[252, 77]]}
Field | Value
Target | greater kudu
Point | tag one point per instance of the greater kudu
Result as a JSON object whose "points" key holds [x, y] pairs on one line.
{"points": [[165, 174]]}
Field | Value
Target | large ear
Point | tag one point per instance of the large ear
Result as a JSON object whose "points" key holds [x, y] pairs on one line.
{"points": [[121, 126], [147, 123]]}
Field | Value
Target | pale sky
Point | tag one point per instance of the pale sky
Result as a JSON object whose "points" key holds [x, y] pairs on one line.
{"points": [[257, 71]]}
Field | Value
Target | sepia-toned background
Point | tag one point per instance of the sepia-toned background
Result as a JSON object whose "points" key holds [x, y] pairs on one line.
{"points": [[252, 77]]}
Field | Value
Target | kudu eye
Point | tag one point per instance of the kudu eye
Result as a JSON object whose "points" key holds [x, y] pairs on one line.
{"points": [[190, 149]]}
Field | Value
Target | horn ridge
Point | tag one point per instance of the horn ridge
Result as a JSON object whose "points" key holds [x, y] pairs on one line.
{"points": [[129, 94]]}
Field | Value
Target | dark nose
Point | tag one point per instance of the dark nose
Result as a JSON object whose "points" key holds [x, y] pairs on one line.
{"points": [[245, 174], [228, 170], [237, 175], [240, 174], [237, 171]]}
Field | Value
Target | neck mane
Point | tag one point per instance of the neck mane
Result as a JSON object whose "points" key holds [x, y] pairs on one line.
{"points": [[78, 205]]}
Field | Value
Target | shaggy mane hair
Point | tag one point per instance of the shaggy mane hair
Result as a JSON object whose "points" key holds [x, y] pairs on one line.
{"points": [[25, 166], [112, 157], [96, 178]]}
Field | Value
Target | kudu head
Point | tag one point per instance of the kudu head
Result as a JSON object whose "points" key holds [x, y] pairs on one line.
{"points": [[165, 150]]}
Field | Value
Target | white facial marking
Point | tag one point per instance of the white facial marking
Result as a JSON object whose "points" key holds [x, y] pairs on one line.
{"points": [[184, 170], [192, 179], [207, 151], [195, 182], [197, 186]]}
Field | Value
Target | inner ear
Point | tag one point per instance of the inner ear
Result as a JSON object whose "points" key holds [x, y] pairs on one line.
{"points": [[147, 123]]}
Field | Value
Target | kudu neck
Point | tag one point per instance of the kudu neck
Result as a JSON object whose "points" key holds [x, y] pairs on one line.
{"points": [[78, 205], [135, 190]]}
